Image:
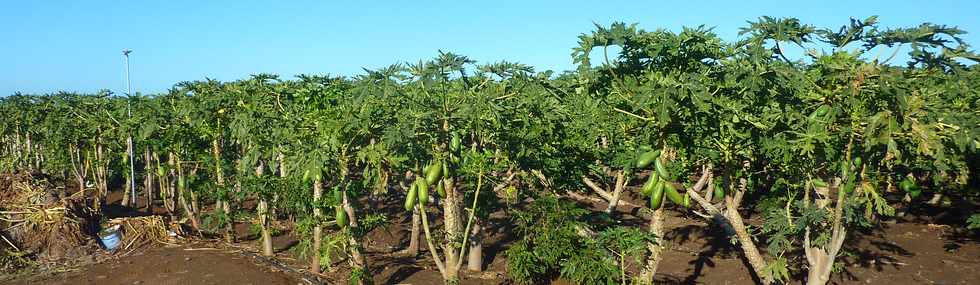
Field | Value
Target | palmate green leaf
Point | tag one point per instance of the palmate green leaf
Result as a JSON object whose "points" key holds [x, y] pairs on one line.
{"points": [[778, 269]]}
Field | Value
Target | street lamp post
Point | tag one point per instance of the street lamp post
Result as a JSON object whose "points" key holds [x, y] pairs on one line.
{"points": [[129, 138]]}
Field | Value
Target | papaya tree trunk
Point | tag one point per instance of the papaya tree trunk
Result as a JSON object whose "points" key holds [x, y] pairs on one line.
{"points": [[617, 191], [147, 181], [475, 255], [77, 167], [744, 239], [821, 260], [655, 248], [282, 173], [181, 189], [413, 242], [453, 219], [317, 228], [168, 199], [355, 247], [222, 202], [131, 158], [130, 191], [127, 195], [263, 211], [194, 201]]}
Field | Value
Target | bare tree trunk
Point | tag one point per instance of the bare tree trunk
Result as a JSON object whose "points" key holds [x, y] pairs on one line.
{"points": [[355, 247], [317, 228], [181, 189], [148, 181], [222, 203], [169, 202], [130, 178], [745, 241], [30, 166], [282, 173], [413, 243], [731, 216], [194, 201], [99, 171], [263, 211], [125, 198], [452, 217], [617, 191], [821, 260], [77, 167], [475, 255], [131, 157], [656, 249]]}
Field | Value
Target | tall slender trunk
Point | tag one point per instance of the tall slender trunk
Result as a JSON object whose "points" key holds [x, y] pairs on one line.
{"points": [[474, 260], [453, 219], [131, 157], [194, 201], [355, 247], [317, 228], [125, 198], [263, 211], [167, 186], [282, 173], [98, 171], [77, 166], [181, 189], [745, 241], [29, 147], [413, 242], [130, 192], [222, 202], [40, 157], [820, 260], [656, 249], [148, 180]]}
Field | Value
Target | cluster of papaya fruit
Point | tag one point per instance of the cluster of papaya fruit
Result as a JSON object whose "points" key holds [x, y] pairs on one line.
{"points": [[658, 185], [418, 192]]}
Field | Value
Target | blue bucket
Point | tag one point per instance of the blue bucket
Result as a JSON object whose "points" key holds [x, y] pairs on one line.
{"points": [[110, 238]]}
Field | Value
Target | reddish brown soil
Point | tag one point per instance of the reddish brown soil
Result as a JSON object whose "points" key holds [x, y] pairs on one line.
{"points": [[171, 265], [899, 253], [907, 252]]}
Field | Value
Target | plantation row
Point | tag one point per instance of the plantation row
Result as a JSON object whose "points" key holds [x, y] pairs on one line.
{"points": [[820, 145]]}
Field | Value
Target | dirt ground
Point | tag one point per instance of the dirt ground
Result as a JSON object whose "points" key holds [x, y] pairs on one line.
{"points": [[170, 265], [913, 253], [909, 251]]}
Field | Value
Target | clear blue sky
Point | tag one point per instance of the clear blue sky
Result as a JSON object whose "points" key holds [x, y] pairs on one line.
{"points": [[75, 45]]}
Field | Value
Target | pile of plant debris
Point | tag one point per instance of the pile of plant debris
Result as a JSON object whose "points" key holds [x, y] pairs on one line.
{"points": [[42, 224]]}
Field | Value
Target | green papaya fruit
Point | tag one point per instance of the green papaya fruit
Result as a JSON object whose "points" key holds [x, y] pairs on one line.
{"points": [[646, 158], [434, 173], [341, 216], [423, 193], [661, 170], [672, 194], [657, 197], [647, 188], [410, 198], [441, 189]]}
